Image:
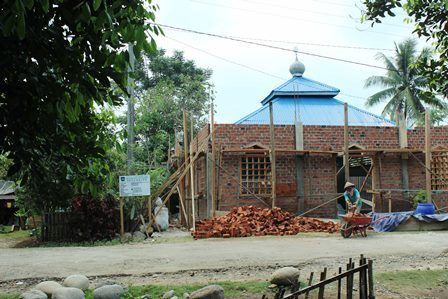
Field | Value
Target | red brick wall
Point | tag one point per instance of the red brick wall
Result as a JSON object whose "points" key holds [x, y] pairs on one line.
{"points": [[320, 170]]}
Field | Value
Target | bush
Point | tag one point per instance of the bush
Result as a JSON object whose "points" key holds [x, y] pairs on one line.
{"points": [[94, 219], [420, 197]]}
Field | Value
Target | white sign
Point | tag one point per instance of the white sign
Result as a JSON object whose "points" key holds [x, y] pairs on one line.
{"points": [[135, 185]]}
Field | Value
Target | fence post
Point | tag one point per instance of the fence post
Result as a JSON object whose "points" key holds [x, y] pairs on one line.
{"points": [[310, 281], [339, 284], [371, 288], [348, 284], [323, 275], [361, 278]]}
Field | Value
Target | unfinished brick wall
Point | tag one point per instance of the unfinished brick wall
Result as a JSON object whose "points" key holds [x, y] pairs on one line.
{"points": [[320, 170]]}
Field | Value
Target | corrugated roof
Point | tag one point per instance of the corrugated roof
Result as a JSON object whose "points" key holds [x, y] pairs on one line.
{"points": [[313, 111], [302, 86]]}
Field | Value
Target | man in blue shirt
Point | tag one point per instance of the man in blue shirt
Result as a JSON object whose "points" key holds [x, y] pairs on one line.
{"points": [[352, 197]]}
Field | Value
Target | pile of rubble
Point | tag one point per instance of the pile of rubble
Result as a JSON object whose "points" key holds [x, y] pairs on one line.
{"points": [[252, 221]]}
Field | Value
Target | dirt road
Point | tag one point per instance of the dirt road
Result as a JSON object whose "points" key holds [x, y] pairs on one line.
{"points": [[240, 258]]}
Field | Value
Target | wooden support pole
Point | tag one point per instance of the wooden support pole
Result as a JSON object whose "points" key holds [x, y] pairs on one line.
{"points": [[272, 151], [121, 217], [193, 208], [184, 182], [374, 175], [346, 141], [150, 210], [182, 205], [428, 154], [213, 181]]}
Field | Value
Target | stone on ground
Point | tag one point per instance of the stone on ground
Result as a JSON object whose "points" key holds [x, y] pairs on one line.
{"points": [[285, 276], [127, 237], [77, 281], [33, 294], [208, 292], [168, 295], [48, 287], [138, 236], [68, 293], [186, 296], [108, 292]]}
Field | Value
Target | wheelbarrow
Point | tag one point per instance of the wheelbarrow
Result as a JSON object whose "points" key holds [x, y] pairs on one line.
{"points": [[355, 224]]}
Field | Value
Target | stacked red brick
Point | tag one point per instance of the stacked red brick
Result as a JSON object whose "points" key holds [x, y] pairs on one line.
{"points": [[252, 221]]}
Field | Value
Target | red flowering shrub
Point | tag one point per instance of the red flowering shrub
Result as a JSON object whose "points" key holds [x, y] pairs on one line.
{"points": [[93, 219]]}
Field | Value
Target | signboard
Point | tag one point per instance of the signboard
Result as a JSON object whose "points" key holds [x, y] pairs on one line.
{"points": [[135, 185]]}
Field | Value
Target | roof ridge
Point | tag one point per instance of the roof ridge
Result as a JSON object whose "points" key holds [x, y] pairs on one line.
{"points": [[323, 84], [367, 112]]}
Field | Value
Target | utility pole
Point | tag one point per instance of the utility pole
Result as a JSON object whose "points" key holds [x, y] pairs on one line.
{"points": [[130, 112]]}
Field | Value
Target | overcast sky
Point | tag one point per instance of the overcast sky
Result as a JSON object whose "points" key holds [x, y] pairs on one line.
{"points": [[239, 90]]}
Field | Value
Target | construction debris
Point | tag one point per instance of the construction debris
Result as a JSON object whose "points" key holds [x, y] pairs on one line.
{"points": [[252, 221]]}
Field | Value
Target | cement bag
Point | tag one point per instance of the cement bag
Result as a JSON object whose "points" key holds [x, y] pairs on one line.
{"points": [[158, 202], [162, 219]]}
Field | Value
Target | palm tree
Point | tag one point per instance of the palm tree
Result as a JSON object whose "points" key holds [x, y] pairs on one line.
{"points": [[406, 89]]}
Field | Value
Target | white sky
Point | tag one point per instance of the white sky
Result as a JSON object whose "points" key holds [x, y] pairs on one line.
{"points": [[240, 90]]}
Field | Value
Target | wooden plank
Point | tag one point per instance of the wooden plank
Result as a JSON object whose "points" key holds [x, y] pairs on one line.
{"points": [[272, 152], [428, 154], [346, 141]]}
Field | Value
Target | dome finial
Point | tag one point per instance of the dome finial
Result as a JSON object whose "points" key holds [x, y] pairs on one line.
{"points": [[297, 68]]}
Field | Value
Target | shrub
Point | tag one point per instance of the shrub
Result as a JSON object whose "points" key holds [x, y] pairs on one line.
{"points": [[94, 219]]}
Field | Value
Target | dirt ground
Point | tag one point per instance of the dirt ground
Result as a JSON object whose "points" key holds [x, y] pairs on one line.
{"points": [[182, 260]]}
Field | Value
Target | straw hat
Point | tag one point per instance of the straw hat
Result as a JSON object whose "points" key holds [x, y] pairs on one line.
{"points": [[348, 184]]}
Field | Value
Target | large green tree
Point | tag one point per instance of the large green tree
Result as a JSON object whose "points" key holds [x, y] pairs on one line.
{"points": [[58, 59], [405, 89], [430, 19], [167, 85]]}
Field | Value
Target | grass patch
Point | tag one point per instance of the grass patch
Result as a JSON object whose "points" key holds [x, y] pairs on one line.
{"points": [[231, 289], [6, 234], [9, 296], [415, 279]]}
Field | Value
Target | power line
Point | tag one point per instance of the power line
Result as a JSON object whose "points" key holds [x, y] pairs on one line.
{"points": [[317, 12], [249, 67], [305, 43], [294, 18], [227, 60], [271, 46]]}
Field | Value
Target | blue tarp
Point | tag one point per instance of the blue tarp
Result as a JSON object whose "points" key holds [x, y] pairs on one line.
{"points": [[387, 222]]}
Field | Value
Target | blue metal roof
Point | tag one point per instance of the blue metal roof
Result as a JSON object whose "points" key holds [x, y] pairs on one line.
{"points": [[302, 86], [313, 111]]}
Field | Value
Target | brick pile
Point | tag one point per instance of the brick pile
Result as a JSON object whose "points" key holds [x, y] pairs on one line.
{"points": [[252, 221]]}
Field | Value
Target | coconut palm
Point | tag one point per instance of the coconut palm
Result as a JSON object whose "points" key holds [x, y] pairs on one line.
{"points": [[405, 90]]}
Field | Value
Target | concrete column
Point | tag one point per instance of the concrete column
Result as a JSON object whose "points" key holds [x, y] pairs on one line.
{"points": [[300, 168]]}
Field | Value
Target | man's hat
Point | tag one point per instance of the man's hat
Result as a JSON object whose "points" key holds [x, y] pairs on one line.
{"points": [[348, 184]]}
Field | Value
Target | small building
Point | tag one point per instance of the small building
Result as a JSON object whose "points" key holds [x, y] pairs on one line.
{"points": [[7, 199], [386, 161]]}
